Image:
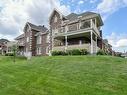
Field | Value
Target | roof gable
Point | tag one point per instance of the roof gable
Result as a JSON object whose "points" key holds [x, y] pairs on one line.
{"points": [[61, 15], [37, 28], [74, 16]]}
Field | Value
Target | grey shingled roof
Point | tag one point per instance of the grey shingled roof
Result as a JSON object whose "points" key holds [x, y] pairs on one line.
{"points": [[20, 36], [3, 40], [74, 16], [87, 14], [38, 28]]}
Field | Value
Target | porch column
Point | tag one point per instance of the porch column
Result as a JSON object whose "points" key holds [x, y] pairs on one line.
{"points": [[96, 44], [91, 42], [66, 44], [95, 22], [91, 23]]}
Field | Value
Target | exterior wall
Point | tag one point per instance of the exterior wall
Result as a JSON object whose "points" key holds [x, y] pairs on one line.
{"points": [[30, 45], [30, 41], [27, 39], [21, 41], [3, 49], [99, 43], [43, 45], [55, 25], [73, 27], [33, 42], [107, 48], [9, 46], [21, 46]]}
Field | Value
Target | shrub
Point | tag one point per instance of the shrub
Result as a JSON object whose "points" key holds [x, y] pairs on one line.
{"points": [[54, 53], [101, 52], [71, 52], [74, 52], [9, 54], [84, 52]]}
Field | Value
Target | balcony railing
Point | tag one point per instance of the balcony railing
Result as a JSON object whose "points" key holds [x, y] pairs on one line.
{"points": [[88, 26], [71, 47], [95, 29]]}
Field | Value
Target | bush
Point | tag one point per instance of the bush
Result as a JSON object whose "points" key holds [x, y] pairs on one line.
{"points": [[74, 52], [54, 53], [71, 52], [84, 52], [101, 52], [9, 54]]}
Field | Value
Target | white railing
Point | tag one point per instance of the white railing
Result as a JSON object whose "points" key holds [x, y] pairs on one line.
{"points": [[70, 47], [95, 28], [63, 30]]}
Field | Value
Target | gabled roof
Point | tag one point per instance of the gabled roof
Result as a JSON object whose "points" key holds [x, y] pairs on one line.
{"points": [[20, 36], [74, 16], [38, 28], [55, 10], [87, 14], [3, 40]]}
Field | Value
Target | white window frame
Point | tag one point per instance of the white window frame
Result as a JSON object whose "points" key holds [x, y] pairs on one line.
{"points": [[27, 39], [38, 50], [48, 38], [39, 39]]}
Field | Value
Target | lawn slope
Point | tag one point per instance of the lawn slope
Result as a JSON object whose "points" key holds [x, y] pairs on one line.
{"points": [[64, 75]]}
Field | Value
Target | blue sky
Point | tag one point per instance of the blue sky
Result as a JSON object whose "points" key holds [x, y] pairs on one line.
{"points": [[15, 13]]}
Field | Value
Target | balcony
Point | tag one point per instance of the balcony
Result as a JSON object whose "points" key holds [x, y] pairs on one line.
{"points": [[71, 47], [86, 27]]}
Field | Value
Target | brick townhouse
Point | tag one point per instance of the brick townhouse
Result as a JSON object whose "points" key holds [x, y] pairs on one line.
{"points": [[34, 40], [74, 31]]}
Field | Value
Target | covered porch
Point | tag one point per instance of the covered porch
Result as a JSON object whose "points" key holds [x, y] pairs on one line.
{"points": [[87, 40]]}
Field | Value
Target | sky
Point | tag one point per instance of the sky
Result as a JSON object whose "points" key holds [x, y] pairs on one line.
{"points": [[15, 13]]}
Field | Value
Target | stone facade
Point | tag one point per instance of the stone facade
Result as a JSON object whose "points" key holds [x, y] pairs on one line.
{"points": [[76, 30]]}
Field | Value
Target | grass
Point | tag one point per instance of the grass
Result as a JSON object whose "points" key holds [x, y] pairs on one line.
{"points": [[63, 75]]}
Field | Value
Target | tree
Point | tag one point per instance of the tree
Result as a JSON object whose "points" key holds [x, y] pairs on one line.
{"points": [[14, 49]]}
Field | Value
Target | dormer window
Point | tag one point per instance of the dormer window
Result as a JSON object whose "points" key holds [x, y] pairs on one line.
{"points": [[55, 19]]}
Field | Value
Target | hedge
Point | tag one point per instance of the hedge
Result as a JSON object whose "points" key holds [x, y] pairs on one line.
{"points": [[9, 54], [71, 52], [101, 52]]}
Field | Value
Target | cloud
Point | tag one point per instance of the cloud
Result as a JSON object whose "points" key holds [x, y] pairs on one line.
{"points": [[118, 42], [15, 13], [93, 1], [80, 2], [122, 43], [108, 7]]}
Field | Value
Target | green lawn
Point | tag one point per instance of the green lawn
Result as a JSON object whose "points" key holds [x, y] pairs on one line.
{"points": [[64, 75]]}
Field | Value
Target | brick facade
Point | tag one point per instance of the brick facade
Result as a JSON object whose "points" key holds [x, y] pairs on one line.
{"points": [[30, 39]]}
